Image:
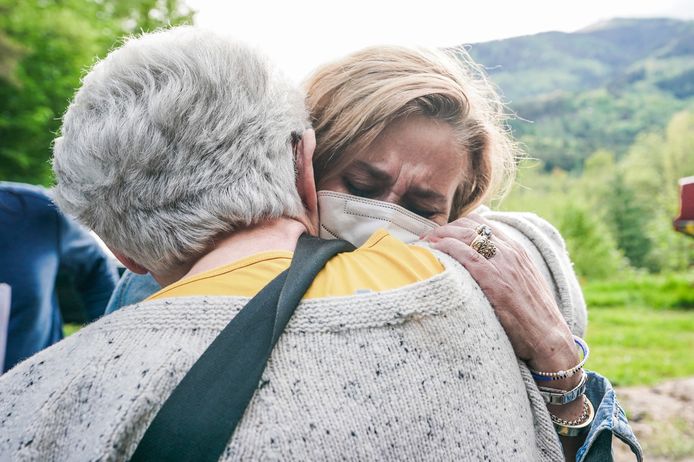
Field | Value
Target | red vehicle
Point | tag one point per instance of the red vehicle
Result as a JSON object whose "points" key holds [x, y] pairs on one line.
{"points": [[684, 223]]}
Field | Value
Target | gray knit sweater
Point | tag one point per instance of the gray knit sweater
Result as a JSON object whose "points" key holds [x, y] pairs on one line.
{"points": [[421, 372]]}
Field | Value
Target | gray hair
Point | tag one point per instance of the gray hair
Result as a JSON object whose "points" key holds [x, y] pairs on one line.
{"points": [[174, 139]]}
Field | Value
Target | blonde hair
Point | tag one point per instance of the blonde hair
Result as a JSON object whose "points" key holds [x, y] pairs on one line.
{"points": [[351, 101]]}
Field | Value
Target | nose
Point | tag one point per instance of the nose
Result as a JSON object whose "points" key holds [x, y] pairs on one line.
{"points": [[391, 196], [397, 189]]}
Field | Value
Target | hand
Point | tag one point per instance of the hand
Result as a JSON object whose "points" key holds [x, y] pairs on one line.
{"points": [[520, 296]]}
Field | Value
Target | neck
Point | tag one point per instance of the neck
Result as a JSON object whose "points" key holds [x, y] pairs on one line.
{"points": [[280, 234]]}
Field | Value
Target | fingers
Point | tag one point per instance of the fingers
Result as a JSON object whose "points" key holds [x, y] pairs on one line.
{"points": [[461, 226], [462, 233], [495, 229], [308, 139], [476, 264], [463, 230]]}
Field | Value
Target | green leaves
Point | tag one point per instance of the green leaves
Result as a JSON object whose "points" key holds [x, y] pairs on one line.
{"points": [[45, 48], [616, 209]]}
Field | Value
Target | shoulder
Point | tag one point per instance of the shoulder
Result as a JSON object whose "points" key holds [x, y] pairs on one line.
{"points": [[540, 231], [106, 372], [28, 202], [37, 193]]}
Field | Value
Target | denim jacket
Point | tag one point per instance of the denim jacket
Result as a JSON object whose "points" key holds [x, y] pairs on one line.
{"points": [[609, 421]]}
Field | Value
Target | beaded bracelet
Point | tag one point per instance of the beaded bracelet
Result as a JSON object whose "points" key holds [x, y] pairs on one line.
{"points": [[549, 376], [577, 426]]}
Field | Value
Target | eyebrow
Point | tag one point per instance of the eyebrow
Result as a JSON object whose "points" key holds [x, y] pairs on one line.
{"points": [[427, 194], [375, 172], [414, 192]]}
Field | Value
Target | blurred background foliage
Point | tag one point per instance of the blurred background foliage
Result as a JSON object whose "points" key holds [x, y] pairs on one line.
{"points": [[616, 215], [45, 45], [597, 88], [606, 116]]}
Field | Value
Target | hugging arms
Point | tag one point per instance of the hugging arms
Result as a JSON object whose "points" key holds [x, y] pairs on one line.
{"points": [[425, 133]]}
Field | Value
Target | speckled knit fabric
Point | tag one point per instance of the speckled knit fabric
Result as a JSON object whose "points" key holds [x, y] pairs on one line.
{"points": [[421, 372]]}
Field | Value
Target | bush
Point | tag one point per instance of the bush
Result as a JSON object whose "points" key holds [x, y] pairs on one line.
{"points": [[591, 247]]}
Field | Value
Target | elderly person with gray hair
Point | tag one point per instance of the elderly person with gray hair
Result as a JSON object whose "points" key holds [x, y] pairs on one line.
{"points": [[189, 155]]}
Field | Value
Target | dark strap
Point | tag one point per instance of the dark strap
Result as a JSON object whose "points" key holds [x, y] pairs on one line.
{"points": [[198, 419]]}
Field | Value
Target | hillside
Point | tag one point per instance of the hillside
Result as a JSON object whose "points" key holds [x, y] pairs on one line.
{"points": [[595, 88]]}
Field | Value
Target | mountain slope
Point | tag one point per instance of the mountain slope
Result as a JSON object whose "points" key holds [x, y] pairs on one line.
{"points": [[595, 88]]}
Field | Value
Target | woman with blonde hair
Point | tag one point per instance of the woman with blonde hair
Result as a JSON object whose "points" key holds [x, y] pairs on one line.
{"points": [[425, 130], [354, 100]]}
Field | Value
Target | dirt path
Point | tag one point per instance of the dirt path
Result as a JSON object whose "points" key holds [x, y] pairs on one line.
{"points": [[662, 418]]}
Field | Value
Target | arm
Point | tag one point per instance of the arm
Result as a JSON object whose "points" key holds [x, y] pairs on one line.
{"points": [[526, 308], [95, 276]]}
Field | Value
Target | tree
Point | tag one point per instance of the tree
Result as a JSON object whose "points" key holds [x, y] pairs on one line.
{"points": [[10, 53], [58, 41], [628, 221], [591, 247], [652, 169]]}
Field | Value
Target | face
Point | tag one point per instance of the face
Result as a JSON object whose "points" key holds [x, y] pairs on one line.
{"points": [[415, 163]]}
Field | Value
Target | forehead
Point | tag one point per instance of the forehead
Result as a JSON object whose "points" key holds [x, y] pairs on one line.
{"points": [[417, 149]]}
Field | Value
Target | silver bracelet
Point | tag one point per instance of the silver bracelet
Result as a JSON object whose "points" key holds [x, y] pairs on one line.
{"points": [[555, 396]]}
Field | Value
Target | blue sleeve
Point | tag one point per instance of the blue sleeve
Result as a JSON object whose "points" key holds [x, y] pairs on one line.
{"points": [[94, 274], [609, 421], [132, 288]]}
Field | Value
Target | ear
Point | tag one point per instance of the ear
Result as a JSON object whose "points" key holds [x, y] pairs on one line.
{"points": [[305, 182], [129, 263]]}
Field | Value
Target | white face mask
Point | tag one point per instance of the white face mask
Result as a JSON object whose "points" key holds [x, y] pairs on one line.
{"points": [[355, 219]]}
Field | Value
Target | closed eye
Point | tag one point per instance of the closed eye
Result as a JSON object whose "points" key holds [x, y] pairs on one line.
{"points": [[424, 213], [359, 190], [426, 203]]}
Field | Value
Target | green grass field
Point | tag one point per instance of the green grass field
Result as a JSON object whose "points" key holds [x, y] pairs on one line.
{"points": [[641, 346], [641, 329]]}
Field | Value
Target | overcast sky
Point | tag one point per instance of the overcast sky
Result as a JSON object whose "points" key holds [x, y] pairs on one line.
{"points": [[301, 34]]}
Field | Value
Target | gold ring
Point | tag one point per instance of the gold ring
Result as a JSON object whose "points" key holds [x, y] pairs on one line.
{"points": [[484, 246], [488, 251], [478, 241]]}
